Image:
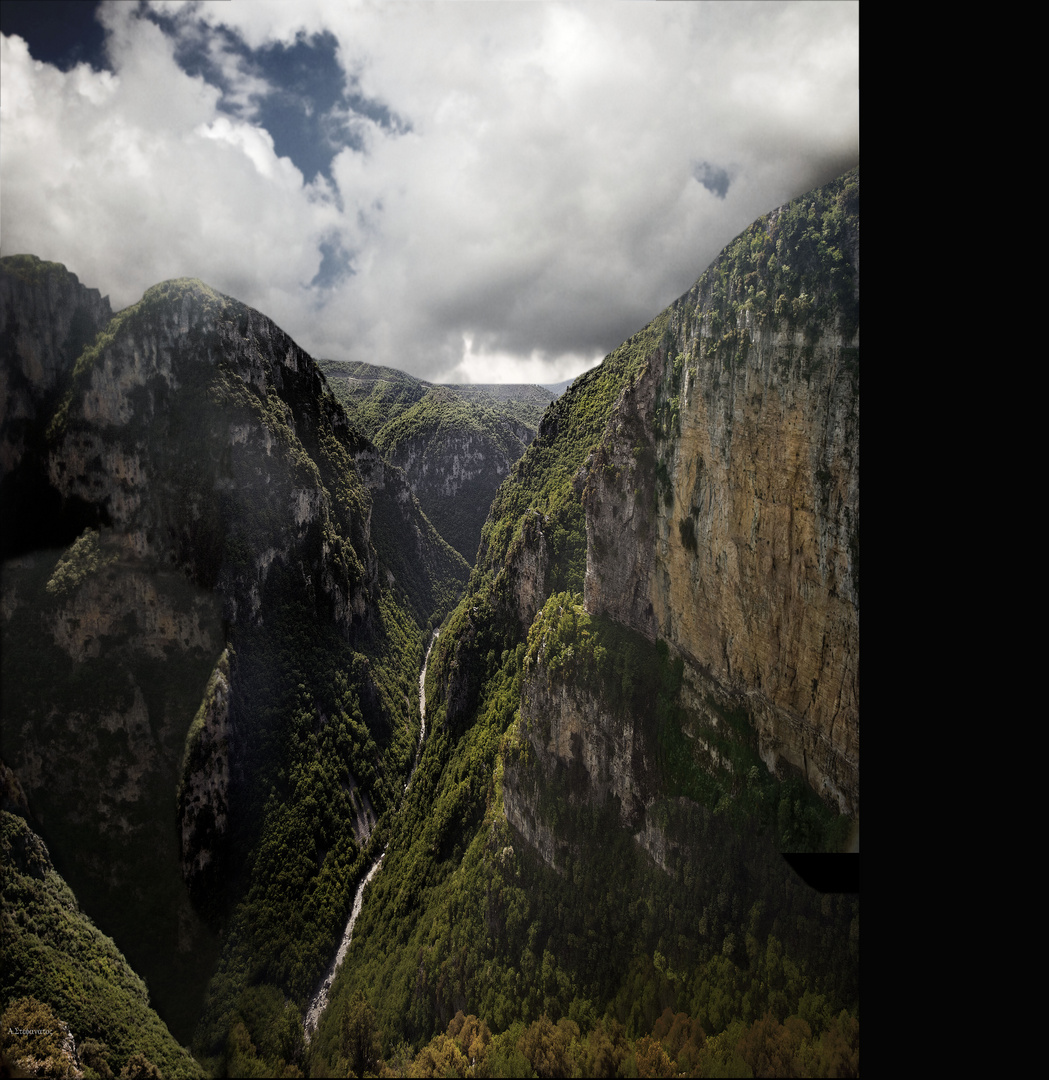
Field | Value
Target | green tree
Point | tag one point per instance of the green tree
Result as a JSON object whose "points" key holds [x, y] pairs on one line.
{"points": [[93, 1056], [360, 1037]]}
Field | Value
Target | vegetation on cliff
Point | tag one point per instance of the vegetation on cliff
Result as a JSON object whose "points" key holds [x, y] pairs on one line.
{"points": [[240, 515], [455, 453], [454, 443]]}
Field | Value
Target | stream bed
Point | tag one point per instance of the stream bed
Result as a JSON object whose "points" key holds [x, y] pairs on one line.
{"points": [[319, 1000]]}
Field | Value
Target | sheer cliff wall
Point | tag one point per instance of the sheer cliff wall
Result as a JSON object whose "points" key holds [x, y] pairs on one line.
{"points": [[722, 507]]}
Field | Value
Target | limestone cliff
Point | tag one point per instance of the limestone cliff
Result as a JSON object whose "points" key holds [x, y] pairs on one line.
{"points": [[46, 319], [720, 504], [723, 504], [105, 659], [203, 791], [198, 427], [454, 443], [455, 451]]}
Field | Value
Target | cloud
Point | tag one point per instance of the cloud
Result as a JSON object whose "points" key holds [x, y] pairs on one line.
{"points": [[505, 190]]}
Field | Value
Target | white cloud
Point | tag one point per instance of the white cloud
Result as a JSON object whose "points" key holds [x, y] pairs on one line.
{"points": [[542, 206]]}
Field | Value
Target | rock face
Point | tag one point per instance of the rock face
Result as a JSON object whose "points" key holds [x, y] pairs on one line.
{"points": [[203, 792], [578, 731], [721, 508], [723, 504], [105, 659], [197, 429], [455, 481], [46, 319], [455, 444]]}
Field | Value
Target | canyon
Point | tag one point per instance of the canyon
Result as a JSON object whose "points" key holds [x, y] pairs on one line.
{"points": [[224, 575]]}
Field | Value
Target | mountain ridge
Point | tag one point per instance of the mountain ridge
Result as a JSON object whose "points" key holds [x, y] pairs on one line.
{"points": [[248, 559], [455, 443]]}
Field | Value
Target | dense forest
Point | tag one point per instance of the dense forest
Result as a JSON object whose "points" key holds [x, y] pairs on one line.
{"points": [[211, 702]]}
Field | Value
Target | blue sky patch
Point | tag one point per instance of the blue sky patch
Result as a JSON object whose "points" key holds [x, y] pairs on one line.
{"points": [[61, 32], [297, 92], [336, 265], [714, 178]]}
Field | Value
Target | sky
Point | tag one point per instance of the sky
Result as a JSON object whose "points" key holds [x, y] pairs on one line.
{"points": [[467, 191]]}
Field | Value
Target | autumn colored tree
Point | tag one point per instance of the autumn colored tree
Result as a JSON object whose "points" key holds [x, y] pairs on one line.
{"points": [[33, 1040], [682, 1039], [840, 1047], [440, 1057], [604, 1050], [652, 1059], [550, 1047], [472, 1036], [139, 1067], [767, 1049]]}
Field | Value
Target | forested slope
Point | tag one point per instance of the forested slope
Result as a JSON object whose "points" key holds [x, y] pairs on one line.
{"points": [[53, 953]]}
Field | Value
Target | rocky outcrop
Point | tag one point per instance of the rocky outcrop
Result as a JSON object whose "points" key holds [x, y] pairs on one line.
{"points": [[46, 319], [522, 791], [201, 431], [526, 568], [600, 750], [203, 793]]}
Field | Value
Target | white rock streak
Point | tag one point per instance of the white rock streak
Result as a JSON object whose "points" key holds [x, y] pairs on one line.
{"points": [[319, 1001], [422, 709]]}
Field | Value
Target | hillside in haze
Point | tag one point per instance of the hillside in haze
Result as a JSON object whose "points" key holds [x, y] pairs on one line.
{"points": [[644, 688], [455, 444]]}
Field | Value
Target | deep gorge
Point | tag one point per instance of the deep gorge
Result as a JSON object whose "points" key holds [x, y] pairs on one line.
{"points": [[642, 690]]}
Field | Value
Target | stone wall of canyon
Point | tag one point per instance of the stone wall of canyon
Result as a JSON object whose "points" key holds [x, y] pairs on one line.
{"points": [[723, 517]]}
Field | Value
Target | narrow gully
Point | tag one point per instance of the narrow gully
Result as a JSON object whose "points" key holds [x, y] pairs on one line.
{"points": [[319, 1000]]}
